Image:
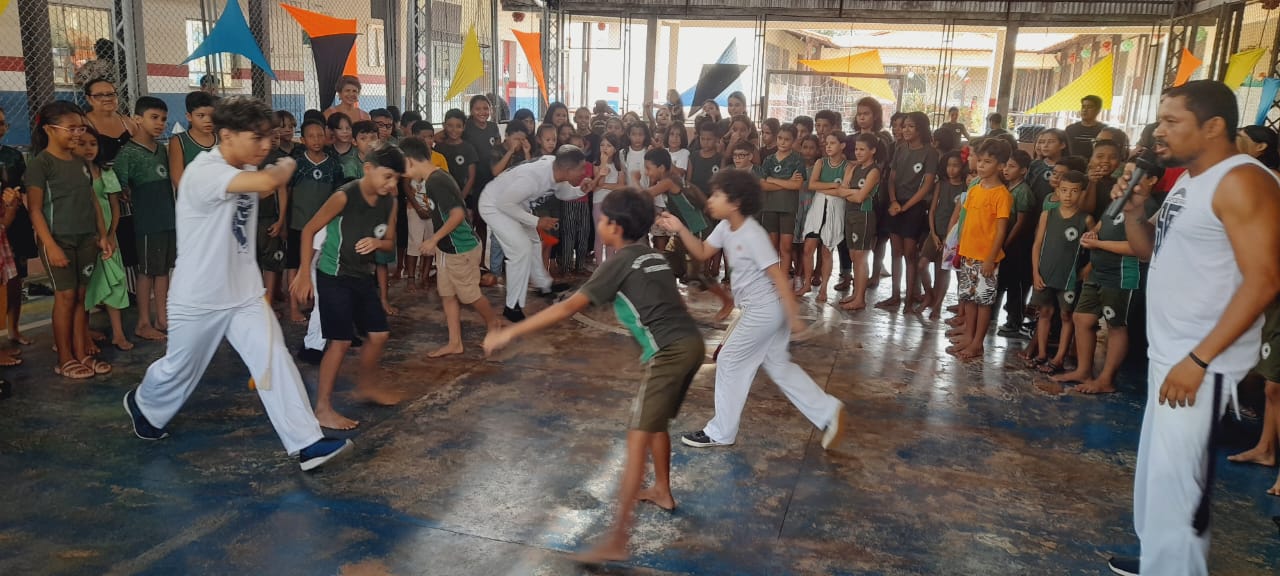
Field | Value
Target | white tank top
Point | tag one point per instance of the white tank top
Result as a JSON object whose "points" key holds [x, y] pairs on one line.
{"points": [[1194, 274]]}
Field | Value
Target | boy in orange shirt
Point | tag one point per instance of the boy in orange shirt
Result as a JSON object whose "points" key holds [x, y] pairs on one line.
{"points": [[981, 240]]}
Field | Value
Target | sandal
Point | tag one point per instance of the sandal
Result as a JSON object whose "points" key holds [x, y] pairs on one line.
{"points": [[98, 366], [74, 370], [10, 361], [1050, 368]]}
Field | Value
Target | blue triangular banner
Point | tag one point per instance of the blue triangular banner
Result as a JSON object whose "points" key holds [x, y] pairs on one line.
{"points": [[231, 34], [728, 56]]}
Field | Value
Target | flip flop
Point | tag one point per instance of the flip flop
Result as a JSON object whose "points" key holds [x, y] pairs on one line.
{"points": [[98, 366], [74, 370], [1050, 368]]}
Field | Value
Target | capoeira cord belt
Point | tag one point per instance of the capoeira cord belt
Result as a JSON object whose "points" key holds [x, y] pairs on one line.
{"points": [[1201, 521]]}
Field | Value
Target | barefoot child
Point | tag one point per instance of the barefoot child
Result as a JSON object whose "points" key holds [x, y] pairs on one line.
{"points": [[319, 173], [457, 249], [271, 214], [778, 215], [198, 137], [824, 222], [1115, 278], [108, 286], [860, 215], [1054, 262], [17, 232], [366, 137], [951, 184], [217, 291], [143, 170], [71, 230], [1015, 273], [768, 319], [986, 223], [639, 284], [359, 219], [611, 175], [915, 168]]}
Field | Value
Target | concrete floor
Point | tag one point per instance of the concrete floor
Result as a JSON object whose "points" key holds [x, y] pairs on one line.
{"points": [[498, 467]]}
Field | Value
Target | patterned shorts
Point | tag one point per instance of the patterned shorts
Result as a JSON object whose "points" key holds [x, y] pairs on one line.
{"points": [[974, 287]]}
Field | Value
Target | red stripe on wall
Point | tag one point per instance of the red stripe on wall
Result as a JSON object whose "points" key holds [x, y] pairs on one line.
{"points": [[12, 64]]}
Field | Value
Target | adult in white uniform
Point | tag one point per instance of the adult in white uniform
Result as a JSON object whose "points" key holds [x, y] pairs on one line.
{"points": [[217, 290], [1214, 249], [504, 205]]}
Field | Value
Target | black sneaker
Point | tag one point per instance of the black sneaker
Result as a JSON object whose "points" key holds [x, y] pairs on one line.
{"points": [[513, 315], [1123, 565], [700, 439], [310, 355], [141, 428], [1011, 332], [324, 450], [559, 287]]}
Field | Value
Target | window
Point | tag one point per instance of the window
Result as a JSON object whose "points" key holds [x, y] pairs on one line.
{"points": [[376, 44], [73, 32], [223, 65]]}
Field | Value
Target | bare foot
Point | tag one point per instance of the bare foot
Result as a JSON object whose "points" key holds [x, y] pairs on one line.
{"points": [[955, 321], [1275, 490], [1092, 386], [935, 315], [848, 299], [952, 333], [1256, 455], [447, 350], [162, 326], [661, 499], [971, 353], [96, 336], [148, 333], [955, 348], [610, 550], [21, 340], [725, 310], [804, 289], [389, 309], [376, 396], [853, 305], [413, 287], [822, 296], [1073, 376], [334, 421], [92, 349], [890, 304], [122, 344]]}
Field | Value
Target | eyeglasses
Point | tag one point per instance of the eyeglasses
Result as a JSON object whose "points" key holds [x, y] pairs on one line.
{"points": [[103, 96], [76, 130]]}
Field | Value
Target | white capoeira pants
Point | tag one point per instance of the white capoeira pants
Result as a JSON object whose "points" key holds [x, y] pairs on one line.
{"points": [[1173, 458], [314, 339], [523, 249], [761, 337], [252, 329]]}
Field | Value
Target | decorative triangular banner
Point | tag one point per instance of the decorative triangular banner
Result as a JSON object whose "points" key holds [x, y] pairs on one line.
{"points": [[715, 79], [531, 45], [1240, 65], [1187, 66], [332, 48], [728, 56], [470, 65], [230, 34], [1098, 81], [862, 63]]}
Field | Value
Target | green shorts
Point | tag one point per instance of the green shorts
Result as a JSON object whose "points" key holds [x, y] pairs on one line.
{"points": [[1269, 361], [1112, 304], [860, 230], [778, 222], [667, 377], [270, 250], [1065, 300], [82, 254], [157, 252], [384, 258]]}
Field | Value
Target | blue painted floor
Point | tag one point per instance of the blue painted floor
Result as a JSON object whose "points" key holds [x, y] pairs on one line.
{"points": [[499, 467]]}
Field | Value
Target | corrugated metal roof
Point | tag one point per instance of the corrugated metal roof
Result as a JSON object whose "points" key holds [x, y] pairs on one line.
{"points": [[1031, 12]]}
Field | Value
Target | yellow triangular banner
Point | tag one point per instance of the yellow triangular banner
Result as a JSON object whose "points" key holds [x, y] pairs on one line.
{"points": [[862, 63], [1187, 66], [1098, 80], [470, 66], [1240, 65]]}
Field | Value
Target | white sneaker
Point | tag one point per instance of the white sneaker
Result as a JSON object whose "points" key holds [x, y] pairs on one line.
{"points": [[834, 430]]}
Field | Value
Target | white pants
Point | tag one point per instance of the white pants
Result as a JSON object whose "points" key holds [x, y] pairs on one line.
{"points": [[1170, 479], [523, 249], [314, 339], [194, 336], [761, 337]]}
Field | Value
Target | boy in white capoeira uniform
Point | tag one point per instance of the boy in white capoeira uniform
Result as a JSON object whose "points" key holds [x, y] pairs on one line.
{"points": [[217, 292], [763, 332], [1215, 267], [504, 205]]}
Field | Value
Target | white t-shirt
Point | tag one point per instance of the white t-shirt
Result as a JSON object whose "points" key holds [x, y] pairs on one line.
{"points": [[217, 266], [680, 159], [750, 253], [610, 178], [635, 163], [513, 191]]}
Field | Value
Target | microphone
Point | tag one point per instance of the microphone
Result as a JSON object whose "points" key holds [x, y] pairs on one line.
{"points": [[1145, 166]]}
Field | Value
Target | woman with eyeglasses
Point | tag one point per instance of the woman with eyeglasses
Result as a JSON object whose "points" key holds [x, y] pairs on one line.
{"points": [[114, 128]]}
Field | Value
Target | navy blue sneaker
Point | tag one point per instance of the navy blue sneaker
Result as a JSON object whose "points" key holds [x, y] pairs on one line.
{"points": [[141, 428], [1123, 565], [700, 439], [324, 450]]}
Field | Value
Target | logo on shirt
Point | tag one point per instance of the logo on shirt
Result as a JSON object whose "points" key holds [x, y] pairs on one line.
{"points": [[1069, 296], [1119, 219], [715, 169], [379, 231], [836, 181], [1072, 233], [1048, 174], [162, 171], [862, 183], [240, 222], [853, 237], [459, 160], [918, 167], [317, 174], [1173, 205], [492, 141], [1108, 312], [1266, 350], [777, 169], [277, 256], [87, 271]]}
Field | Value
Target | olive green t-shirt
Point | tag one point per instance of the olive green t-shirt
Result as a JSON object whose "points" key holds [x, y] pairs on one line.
{"points": [[639, 282], [145, 173], [69, 201], [784, 201], [312, 185]]}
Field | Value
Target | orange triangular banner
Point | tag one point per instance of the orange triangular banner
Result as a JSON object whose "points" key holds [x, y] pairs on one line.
{"points": [[1187, 66], [318, 25], [862, 63], [531, 45]]}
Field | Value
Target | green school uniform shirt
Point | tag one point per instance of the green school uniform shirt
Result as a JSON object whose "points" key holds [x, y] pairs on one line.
{"points": [[145, 173], [1060, 250], [69, 202], [784, 201], [1111, 270], [191, 148], [459, 157], [443, 195], [910, 168], [359, 219], [640, 285], [312, 185]]}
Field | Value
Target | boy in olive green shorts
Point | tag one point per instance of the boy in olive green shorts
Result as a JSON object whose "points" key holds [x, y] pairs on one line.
{"points": [[639, 283]]}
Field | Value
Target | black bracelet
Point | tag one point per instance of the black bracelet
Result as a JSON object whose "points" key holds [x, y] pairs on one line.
{"points": [[1197, 360]]}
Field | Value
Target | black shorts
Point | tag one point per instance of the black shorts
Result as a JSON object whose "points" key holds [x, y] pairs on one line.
{"points": [[293, 250], [345, 301], [402, 230], [912, 224], [128, 250]]}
